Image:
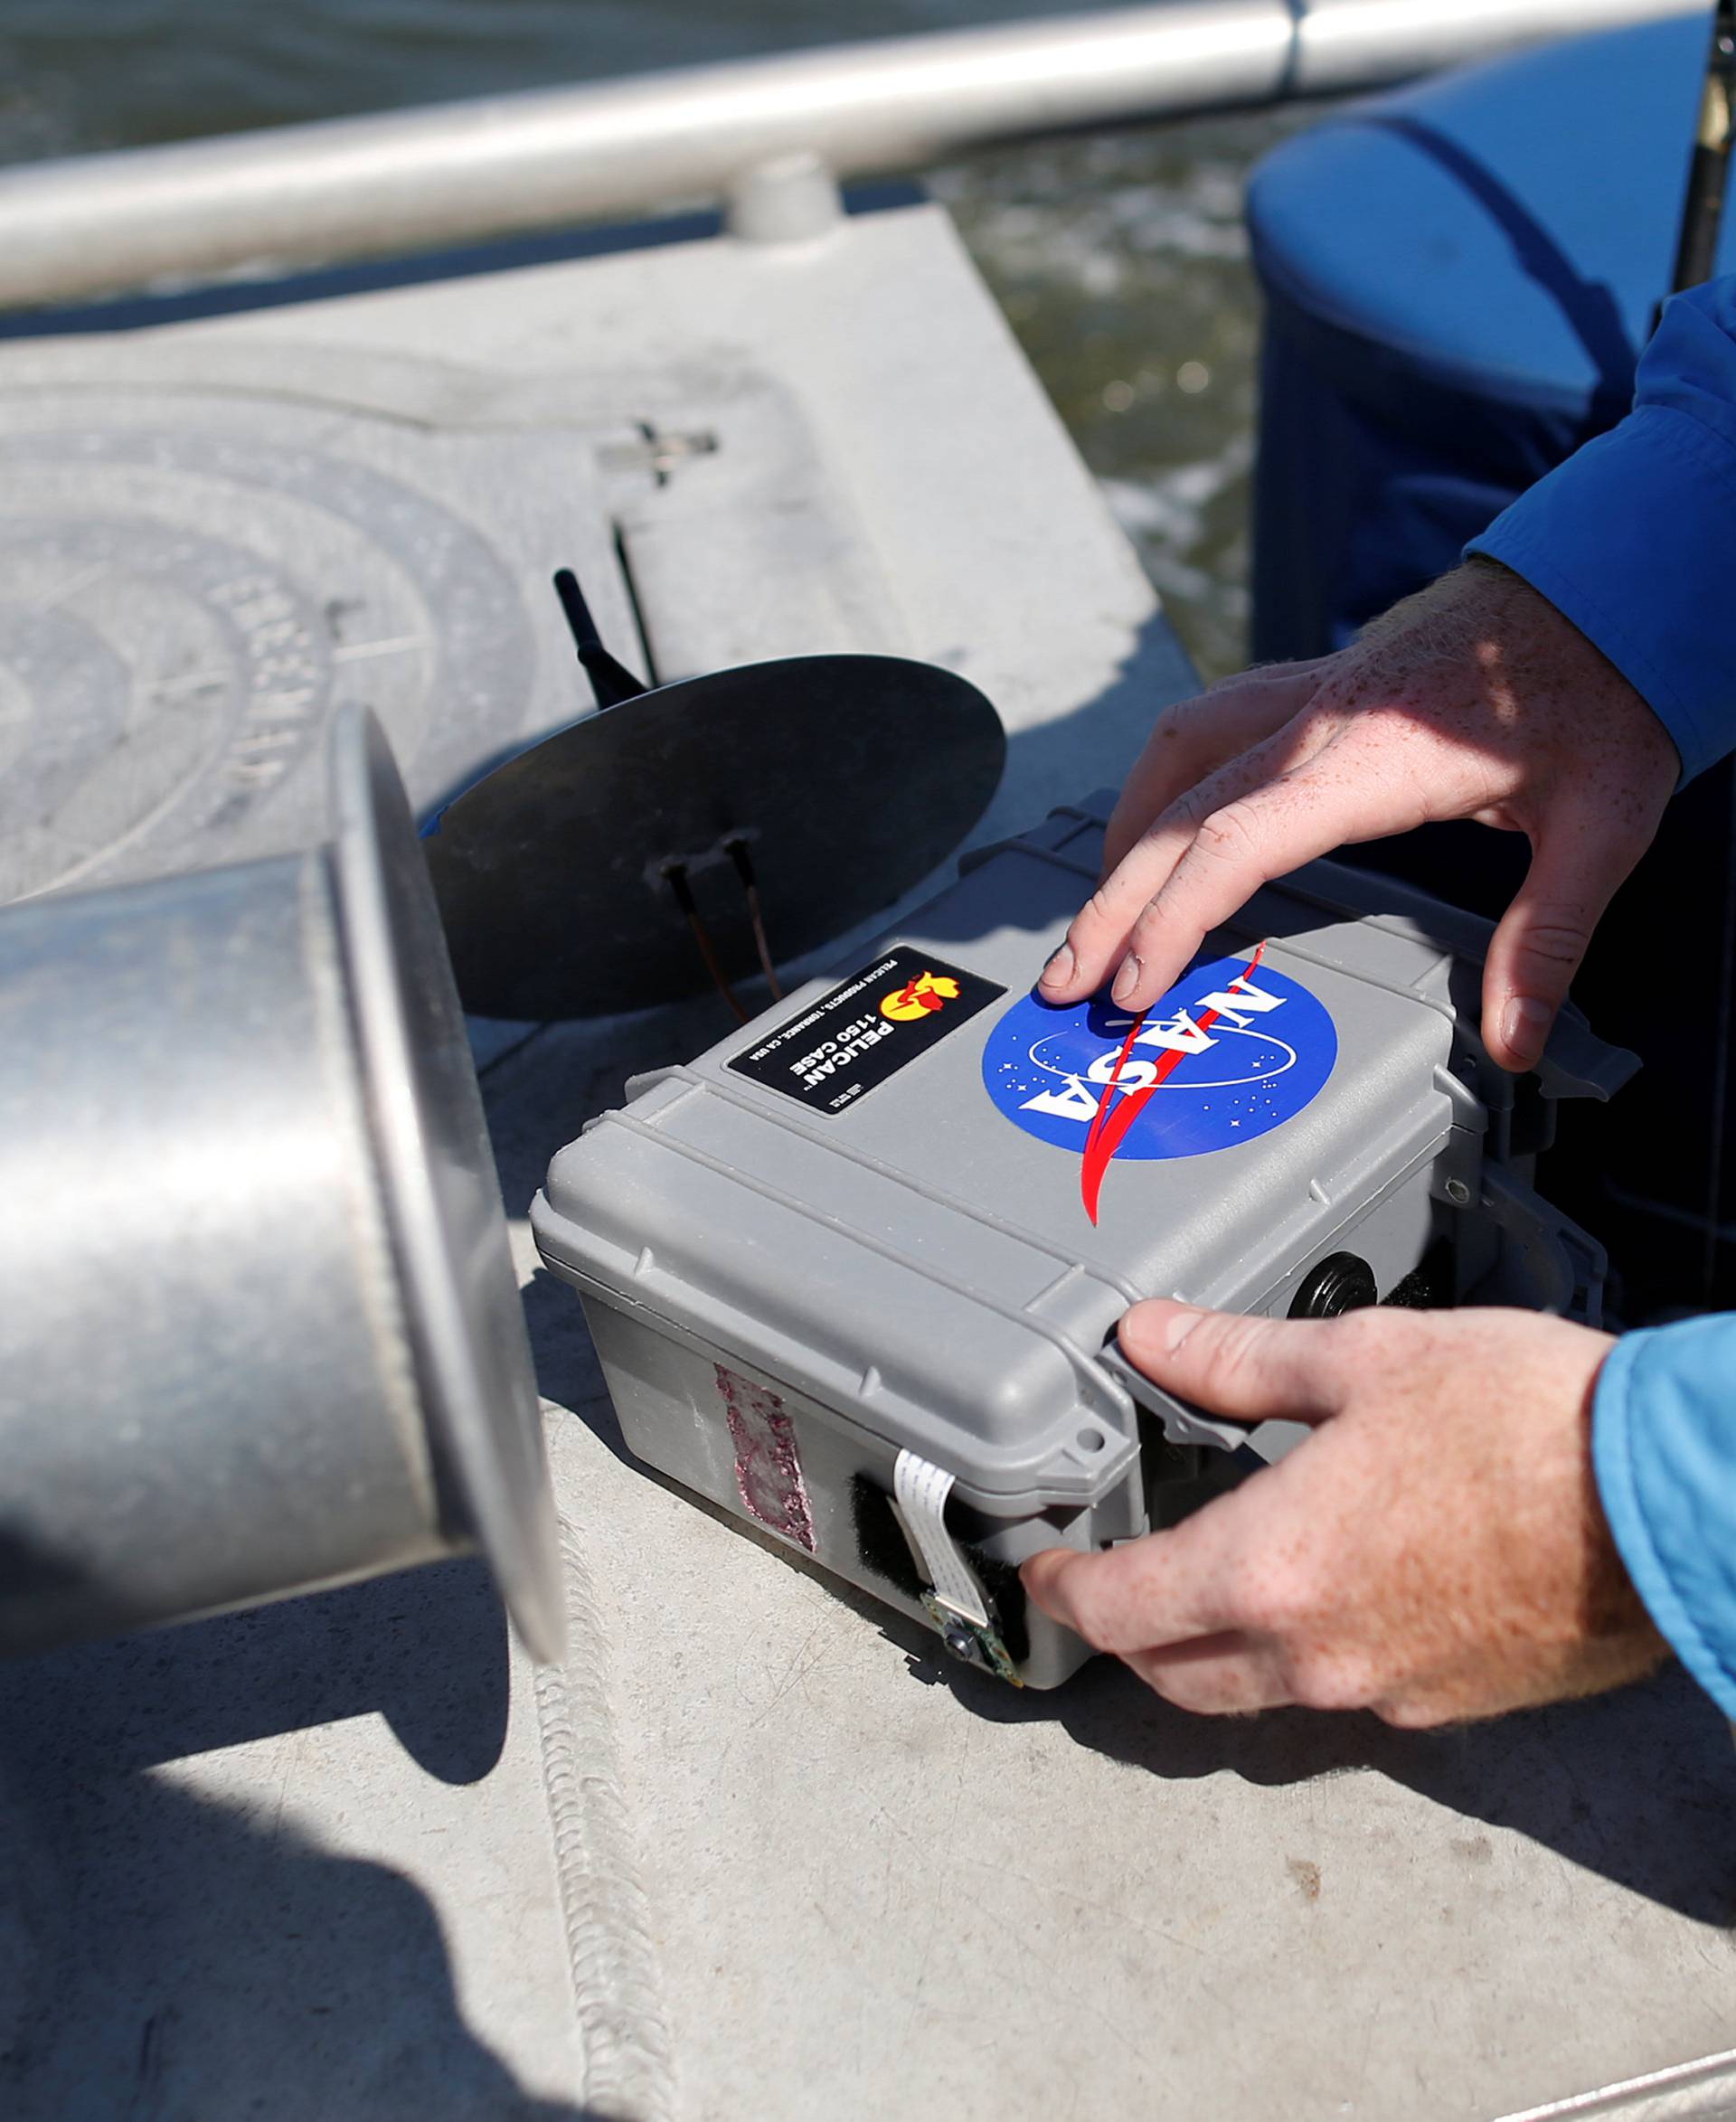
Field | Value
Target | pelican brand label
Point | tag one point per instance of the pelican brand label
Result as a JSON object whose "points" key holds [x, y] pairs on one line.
{"points": [[1234, 1049], [865, 1029]]}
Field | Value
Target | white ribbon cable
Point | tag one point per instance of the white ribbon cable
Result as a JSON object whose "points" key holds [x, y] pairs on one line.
{"points": [[921, 1490]]}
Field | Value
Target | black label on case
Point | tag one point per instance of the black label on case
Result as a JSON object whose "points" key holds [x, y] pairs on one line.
{"points": [[865, 1029]]}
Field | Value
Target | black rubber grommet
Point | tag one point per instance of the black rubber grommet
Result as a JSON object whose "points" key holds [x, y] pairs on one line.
{"points": [[1339, 1283]]}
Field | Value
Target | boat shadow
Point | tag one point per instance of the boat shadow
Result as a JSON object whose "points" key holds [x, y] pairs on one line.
{"points": [[169, 1947]]}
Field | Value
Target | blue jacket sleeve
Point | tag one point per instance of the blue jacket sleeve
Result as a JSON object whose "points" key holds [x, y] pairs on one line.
{"points": [[1663, 1449], [1633, 538]]}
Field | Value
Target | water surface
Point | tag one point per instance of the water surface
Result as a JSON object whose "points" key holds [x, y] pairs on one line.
{"points": [[1119, 259]]}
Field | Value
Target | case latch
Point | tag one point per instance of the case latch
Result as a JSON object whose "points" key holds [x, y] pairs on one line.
{"points": [[1186, 1424]]}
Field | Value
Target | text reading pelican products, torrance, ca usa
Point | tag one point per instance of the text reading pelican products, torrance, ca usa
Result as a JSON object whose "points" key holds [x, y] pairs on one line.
{"points": [[865, 1029]]}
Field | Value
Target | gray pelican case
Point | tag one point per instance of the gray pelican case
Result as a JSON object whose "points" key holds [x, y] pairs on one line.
{"points": [[842, 1270]]}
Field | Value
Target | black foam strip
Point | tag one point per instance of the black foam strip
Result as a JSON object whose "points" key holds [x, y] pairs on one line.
{"points": [[885, 1552]]}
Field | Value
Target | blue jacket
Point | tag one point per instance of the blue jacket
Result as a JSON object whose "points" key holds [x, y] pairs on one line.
{"points": [[1634, 539]]}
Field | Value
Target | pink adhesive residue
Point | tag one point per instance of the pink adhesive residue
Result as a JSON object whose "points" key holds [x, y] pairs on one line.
{"points": [[767, 1473]]}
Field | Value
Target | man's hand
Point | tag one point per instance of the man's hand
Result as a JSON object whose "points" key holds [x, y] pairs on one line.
{"points": [[1474, 700], [1434, 1551]]}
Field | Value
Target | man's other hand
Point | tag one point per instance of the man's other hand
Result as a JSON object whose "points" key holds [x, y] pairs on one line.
{"points": [[1434, 1551], [1477, 699]]}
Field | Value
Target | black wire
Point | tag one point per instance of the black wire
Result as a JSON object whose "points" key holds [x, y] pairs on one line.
{"points": [[736, 850], [676, 875]]}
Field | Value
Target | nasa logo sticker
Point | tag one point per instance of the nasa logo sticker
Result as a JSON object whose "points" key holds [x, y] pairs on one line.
{"points": [[1234, 1049]]}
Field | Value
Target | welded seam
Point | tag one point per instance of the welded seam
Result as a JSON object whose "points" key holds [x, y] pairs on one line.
{"points": [[616, 1983]]}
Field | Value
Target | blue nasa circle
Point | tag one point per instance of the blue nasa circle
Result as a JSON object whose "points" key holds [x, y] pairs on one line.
{"points": [[1233, 1053]]}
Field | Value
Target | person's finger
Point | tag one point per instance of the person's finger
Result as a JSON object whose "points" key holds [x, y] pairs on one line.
{"points": [[1575, 871], [1252, 834], [1100, 936], [1192, 742], [1164, 1588], [1215, 1574], [1196, 737], [1225, 1676], [1253, 1370]]}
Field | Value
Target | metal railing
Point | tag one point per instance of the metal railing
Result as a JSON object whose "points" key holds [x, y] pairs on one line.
{"points": [[462, 172]]}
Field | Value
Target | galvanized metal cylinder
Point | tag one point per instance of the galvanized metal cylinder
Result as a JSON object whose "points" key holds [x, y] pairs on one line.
{"points": [[259, 1330]]}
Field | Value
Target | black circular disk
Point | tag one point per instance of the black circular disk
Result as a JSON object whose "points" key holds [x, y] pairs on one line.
{"points": [[846, 779]]}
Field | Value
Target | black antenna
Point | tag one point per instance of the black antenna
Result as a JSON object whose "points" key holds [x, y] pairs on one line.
{"points": [[611, 682]]}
